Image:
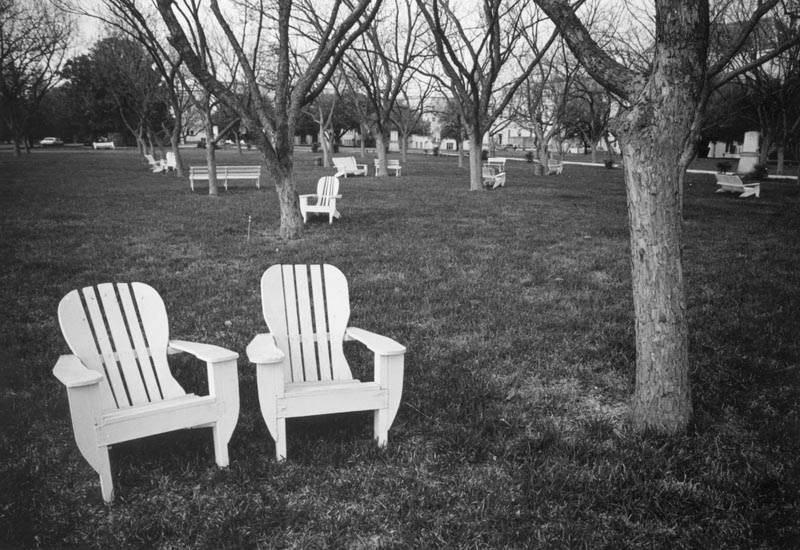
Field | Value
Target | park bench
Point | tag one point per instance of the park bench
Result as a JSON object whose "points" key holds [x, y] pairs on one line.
{"points": [[225, 173], [103, 145], [493, 176], [733, 183], [392, 165], [347, 166]]}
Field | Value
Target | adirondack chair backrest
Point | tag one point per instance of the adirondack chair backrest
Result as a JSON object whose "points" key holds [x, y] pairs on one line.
{"points": [[327, 189], [121, 331], [307, 309]]}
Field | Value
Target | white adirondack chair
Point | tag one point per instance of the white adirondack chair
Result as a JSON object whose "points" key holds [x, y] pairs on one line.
{"points": [[301, 367], [118, 380], [156, 165], [492, 177], [171, 163], [327, 193], [554, 166]]}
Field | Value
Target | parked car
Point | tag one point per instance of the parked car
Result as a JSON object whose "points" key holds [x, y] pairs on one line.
{"points": [[51, 142]]}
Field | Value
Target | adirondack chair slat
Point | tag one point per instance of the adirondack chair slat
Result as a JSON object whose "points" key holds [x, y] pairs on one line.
{"points": [[338, 301], [321, 334], [306, 327], [106, 350], [292, 324], [153, 315], [79, 336], [148, 369], [126, 358], [118, 335], [292, 302]]}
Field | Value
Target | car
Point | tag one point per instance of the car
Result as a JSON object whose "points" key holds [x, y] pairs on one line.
{"points": [[51, 142]]}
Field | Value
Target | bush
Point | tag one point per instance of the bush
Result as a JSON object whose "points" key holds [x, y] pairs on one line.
{"points": [[484, 155], [724, 166], [314, 147], [435, 150], [529, 156], [609, 163], [759, 172]]}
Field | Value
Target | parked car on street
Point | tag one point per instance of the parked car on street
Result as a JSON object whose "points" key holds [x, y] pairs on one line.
{"points": [[51, 142]]}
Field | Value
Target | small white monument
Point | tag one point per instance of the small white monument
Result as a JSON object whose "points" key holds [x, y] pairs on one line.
{"points": [[749, 153]]}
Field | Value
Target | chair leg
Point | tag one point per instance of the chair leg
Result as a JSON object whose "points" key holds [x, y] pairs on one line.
{"points": [[102, 465], [280, 439], [220, 447], [380, 427]]}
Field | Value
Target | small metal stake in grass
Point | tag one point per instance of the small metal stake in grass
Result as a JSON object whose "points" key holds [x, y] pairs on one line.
{"points": [[249, 219]]}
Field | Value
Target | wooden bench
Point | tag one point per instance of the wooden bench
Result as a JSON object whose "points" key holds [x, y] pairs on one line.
{"points": [[392, 165], [497, 162], [346, 166], [733, 183], [102, 145], [225, 173]]}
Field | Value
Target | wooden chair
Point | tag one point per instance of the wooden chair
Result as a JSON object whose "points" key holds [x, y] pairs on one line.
{"points": [[733, 183], [492, 177], [156, 165], [554, 166], [301, 366], [327, 193], [171, 163], [346, 166], [118, 380]]}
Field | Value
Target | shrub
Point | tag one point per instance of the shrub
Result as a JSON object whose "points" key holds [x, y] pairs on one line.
{"points": [[759, 172], [484, 155], [609, 163], [314, 147], [724, 166], [529, 156]]}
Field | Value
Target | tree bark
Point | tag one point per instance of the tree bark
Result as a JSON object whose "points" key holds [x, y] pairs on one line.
{"points": [[475, 163]]}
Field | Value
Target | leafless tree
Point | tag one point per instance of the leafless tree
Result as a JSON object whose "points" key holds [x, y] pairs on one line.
{"points": [[474, 48], [34, 40], [658, 130], [283, 69]]}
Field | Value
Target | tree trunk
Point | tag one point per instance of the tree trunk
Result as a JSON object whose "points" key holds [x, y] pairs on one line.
{"points": [[381, 150], [475, 164], [211, 159], [662, 400], [291, 219]]}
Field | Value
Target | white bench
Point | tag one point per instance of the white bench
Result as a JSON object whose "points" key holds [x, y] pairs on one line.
{"points": [[497, 162], [554, 166], [225, 173], [102, 145], [346, 166], [734, 184], [392, 165]]}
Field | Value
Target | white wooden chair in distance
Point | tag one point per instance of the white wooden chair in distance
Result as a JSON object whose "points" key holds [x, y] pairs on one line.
{"points": [[156, 165], [325, 199], [118, 381], [301, 366], [347, 166], [554, 166], [392, 165], [492, 177], [171, 163]]}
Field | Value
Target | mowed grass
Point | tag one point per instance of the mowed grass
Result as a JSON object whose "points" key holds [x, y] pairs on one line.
{"points": [[515, 306]]}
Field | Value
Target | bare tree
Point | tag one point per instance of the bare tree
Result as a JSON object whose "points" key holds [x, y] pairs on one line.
{"points": [[275, 92], [381, 65], [34, 39], [658, 131], [474, 49]]}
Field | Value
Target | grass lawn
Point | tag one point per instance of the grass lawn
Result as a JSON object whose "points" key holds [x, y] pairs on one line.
{"points": [[515, 306]]}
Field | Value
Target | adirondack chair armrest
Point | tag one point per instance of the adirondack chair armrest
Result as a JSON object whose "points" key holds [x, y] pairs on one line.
{"points": [[262, 350], [380, 345], [71, 372], [205, 352]]}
